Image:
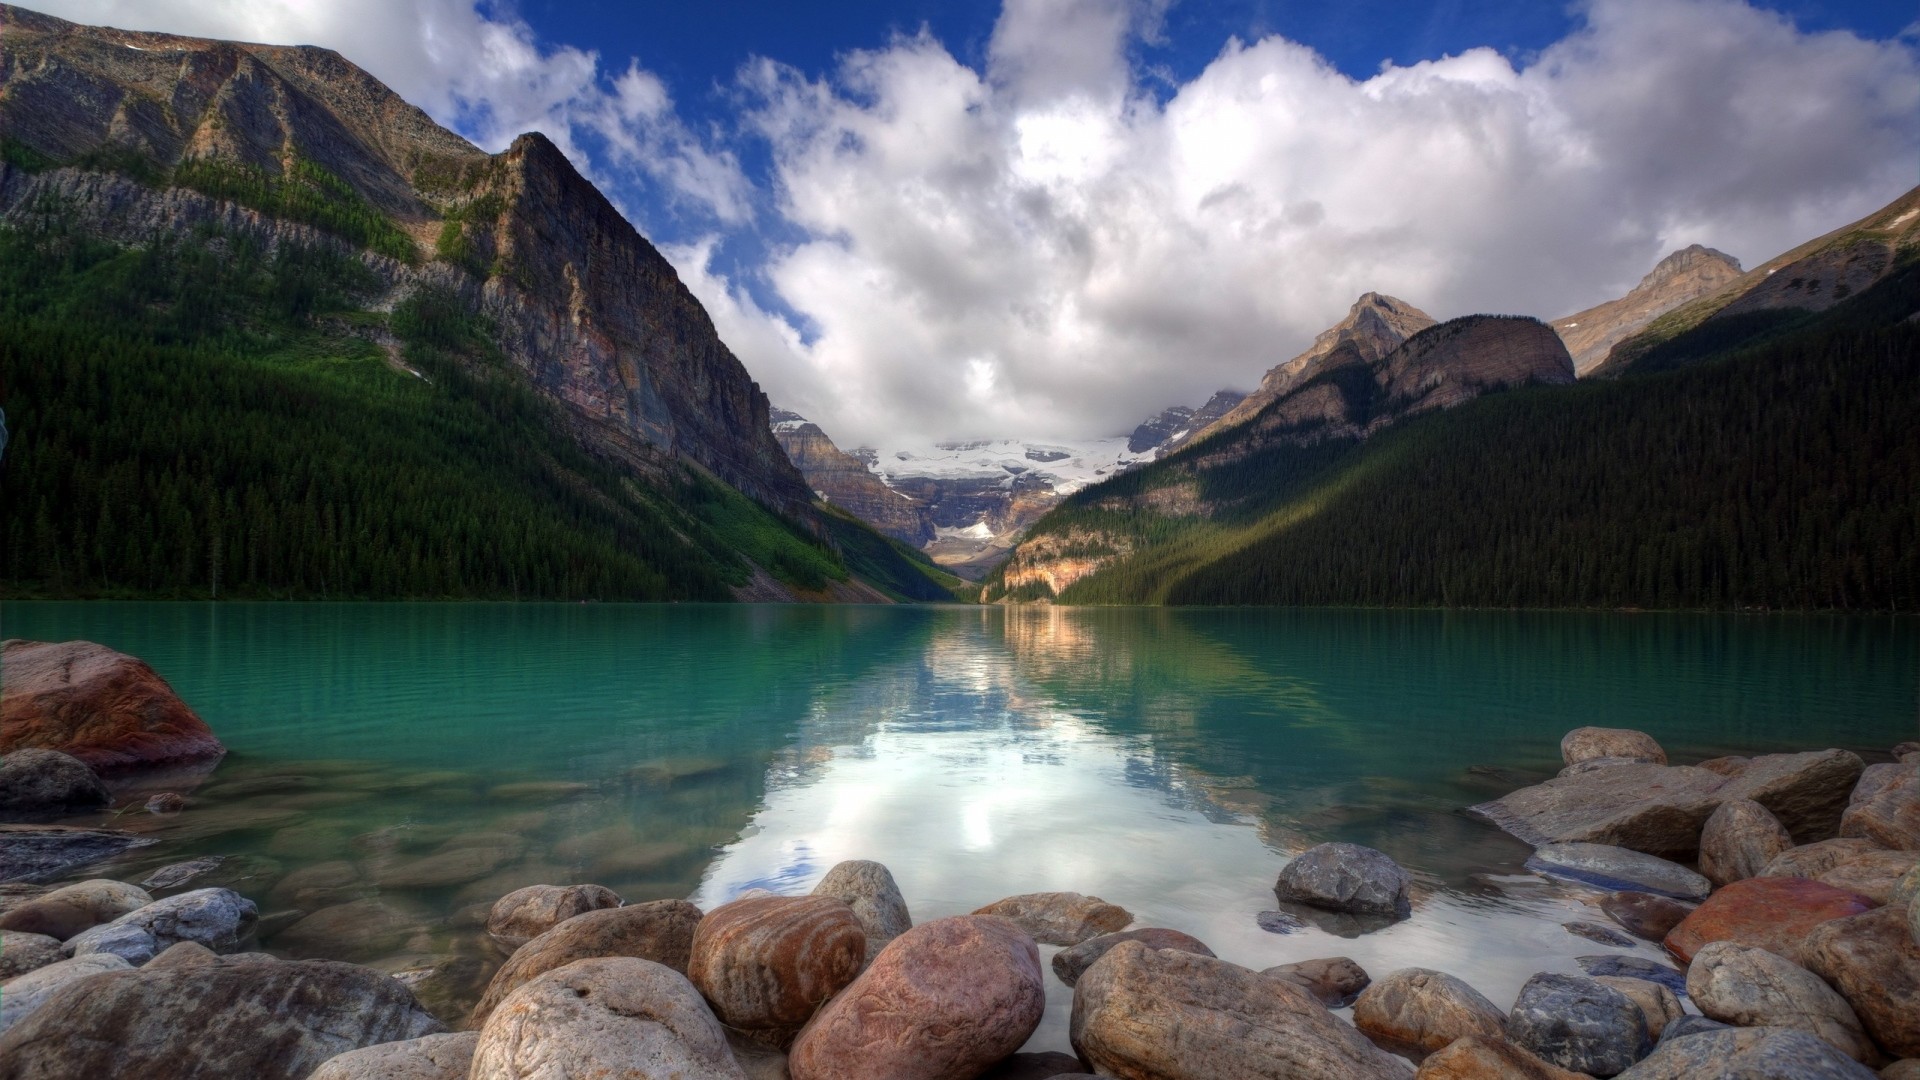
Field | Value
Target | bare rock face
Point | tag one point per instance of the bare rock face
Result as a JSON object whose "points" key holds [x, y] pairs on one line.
{"points": [[525, 914], [1070, 963], [270, 1021], [1751, 987], [1424, 1011], [1334, 982], [35, 781], [1060, 918], [1587, 743], [71, 909], [446, 1056], [1657, 809], [1578, 1023], [1874, 961], [1684, 276], [1739, 840], [847, 482], [609, 1017], [868, 888], [103, 707], [1445, 365], [660, 931], [1772, 913], [1478, 1058], [1347, 878], [766, 965], [947, 998]]}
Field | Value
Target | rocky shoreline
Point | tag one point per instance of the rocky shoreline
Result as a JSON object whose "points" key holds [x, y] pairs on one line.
{"points": [[1783, 887]]}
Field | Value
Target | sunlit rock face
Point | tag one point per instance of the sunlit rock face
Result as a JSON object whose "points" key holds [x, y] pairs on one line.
{"points": [[847, 482], [1685, 275]]}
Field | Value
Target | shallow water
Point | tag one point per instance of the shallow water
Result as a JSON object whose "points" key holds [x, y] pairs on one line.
{"points": [[430, 757]]}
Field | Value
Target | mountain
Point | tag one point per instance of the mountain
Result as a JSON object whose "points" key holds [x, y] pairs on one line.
{"points": [[847, 482], [273, 217], [1176, 426], [1683, 276]]}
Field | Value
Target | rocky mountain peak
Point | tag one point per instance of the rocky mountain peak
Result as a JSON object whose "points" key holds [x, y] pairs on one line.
{"points": [[1680, 278], [1690, 259]]}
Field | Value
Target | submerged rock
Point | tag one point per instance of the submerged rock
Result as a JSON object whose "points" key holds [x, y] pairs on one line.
{"points": [[1060, 918], [1347, 878], [174, 875], [1611, 867], [357, 930], [1070, 963], [47, 852], [607, 1017], [35, 781], [1599, 935]]}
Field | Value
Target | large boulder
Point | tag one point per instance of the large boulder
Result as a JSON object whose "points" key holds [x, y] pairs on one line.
{"points": [[1334, 981], [1874, 874], [525, 914], [660, 931], [1643, 914], [947, 998], [1423, 1011], [868, 888], [266, 1021], [1806, 792], [1588, 743], [1739, 840], [23, 952], [68, 910], [1660, 1005], [1060, 918], [766, 964], [1478, 1058], [104, 707], [446, 1056], [1611, 867], [609, 1017], [1771, 913], [1891, 818], [1762, 1053], [27, 992], [1812, 860], [1347, 878], [1874, 961], [1578, 1023], [48, 852], [1658, 809], [1875, 779], [1070, 963], [220, 919], [36, 781], [1751, 987], [1144, 1012]]}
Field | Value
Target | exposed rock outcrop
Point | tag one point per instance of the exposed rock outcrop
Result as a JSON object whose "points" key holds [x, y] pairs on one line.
{"points": [[847, 482], [1685, 275]]}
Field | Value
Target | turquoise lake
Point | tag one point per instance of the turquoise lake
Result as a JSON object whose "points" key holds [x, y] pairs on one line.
{"points": [[431, 757]]}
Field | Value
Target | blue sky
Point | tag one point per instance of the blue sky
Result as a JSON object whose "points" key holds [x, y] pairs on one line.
{"points": [[1050, 218]]}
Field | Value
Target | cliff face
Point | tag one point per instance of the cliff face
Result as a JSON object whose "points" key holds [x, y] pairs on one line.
{"points": [[848, 482], [1175, 427], [1681, 277]]}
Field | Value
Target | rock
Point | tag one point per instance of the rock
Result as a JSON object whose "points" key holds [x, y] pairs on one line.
{"points": [[1659, 1005], [868, 888], [1579, 1024], [1731, 765], [660, 932], [1874, 875], [1346, 878], [1739, 840], [609, 1017], [1657, 809], [1890, 818], [34, 781], [453, 865], [1035, 1067], [1598, 934], [1477, 1058], [1751, 987], [1334, 982], [1876, 779], [757, 1061], [106, 708], [766, 965], [1611, 867], [182, 954], [1812, 860], [1586, 743], [1279, 922], [1807, 792], [1913, 918], [947, 998], [1772, 913], [1645, 915], [21, 952], [47, 852], [220, 919], [357, 930], [1906, 888], [1592, 764], [322, 885], [1874, 961], [431, 1057], [274, 1021], [1747, 1054], [166, 802], [1070, 963], [1157, 1012], [1423, 1011], [525, 914], [1906, 1069], [28, 992], [1691, 1024], [1633, 967], [174, 875], [1060, 918], [68, 911]]}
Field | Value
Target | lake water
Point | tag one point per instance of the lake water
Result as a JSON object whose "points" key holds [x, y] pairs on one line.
{"points": [[431, 757]]}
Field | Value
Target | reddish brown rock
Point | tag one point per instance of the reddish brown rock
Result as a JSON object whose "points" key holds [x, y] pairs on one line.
{"points": [[1645, 915], [661, 931], [525, 914], [1739, 840], [1588, 743], [105, 708], [946, 999], [1060, 918], [1771, 913], [1423, 1011], [1477, 1057], [1070, 963], [766, 964], [1873, 960]]}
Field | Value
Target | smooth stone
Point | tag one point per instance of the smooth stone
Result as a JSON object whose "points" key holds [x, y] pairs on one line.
{"points": [[1874, 961], [1874, 875], [1144, 1012], [1645, 915], [1347, 878], [1478, 1058], [36, 781], [948, 998], [1042, 1066], [73, 909], [1890, 818], [1806, 792], [1279, 922], [1747, 1054], [1334, 982], [266, 1021], [33, 853], [1060, 918], [1739, 840], [220, 919], [525, 914], [1600, 935], [869, 889], [1586, 743], [27, 992], [447, 1056], [1772, 913], [766, 965], [174, 875], [446, 868], [447, 986], [356, 930], [182, 954], [1634, 967], [1579, 1024], [21, 952], [1423, 1011], [106, 708], [660, 931], [1070, 963], [1657, 809], [1611, 867], [1812, 860], [166, 802], [323, 885], [1750, 987], [1659, 1005], [613, 1017]]}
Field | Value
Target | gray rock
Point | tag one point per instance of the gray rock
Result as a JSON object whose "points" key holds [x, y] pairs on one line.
{"points": [[1635, 967], [1747, 1054], [1588, 743], [613, 1017], [220, 919], [1691, 1024], [28, 992], [1279, 922], [1600, 935], [1658, 809], [1060, 918], [1334, 982], [1423, 1011], [22, 952], [868, 888], [525, 914], [47, 852], [1739, 840], [1752, 987], [36, 781], [174, 875], [1807, 792], [1071, 962], [431, 1057], [1347, 878], [1579, 1024], [1611, 867]]}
